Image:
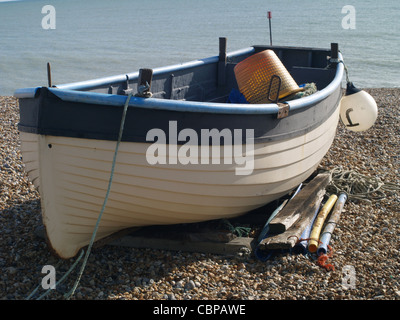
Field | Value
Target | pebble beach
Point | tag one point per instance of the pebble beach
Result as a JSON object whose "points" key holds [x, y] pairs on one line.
{"points": [[366, 239]]}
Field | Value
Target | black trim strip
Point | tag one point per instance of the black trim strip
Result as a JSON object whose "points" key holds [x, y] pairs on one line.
{"points": [[49, 115]]}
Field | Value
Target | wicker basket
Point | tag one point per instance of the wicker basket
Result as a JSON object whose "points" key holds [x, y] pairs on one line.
{"points": [[262, 78]]}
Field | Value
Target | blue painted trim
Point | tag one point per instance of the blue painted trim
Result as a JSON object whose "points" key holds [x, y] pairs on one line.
{"points": [[26, 92], [163, 104]]}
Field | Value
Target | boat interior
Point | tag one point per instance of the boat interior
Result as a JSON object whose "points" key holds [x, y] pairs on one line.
{"points": [[212, 79]]}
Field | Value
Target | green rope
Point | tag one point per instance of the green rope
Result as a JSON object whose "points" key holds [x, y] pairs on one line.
{"points": [[359, 186], [64, 276], [71, 293], [37, 288], [239, 231], [59, 281], [309, 89]]}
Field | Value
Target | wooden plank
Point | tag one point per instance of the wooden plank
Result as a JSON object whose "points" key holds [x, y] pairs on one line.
{"points": [[215, 242], [288, 239], [232, 247], [294, 209], [206, 237]]}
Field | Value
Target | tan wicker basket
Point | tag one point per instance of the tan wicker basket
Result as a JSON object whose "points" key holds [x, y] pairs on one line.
{"points": [[262, 78]]}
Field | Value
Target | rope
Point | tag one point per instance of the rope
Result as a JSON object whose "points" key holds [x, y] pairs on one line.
{"points": [[240, 231], [359, 186], [121, 129], [346, 70], [321, 261], [59, 281], [37, 288], [322, 258], [72, 291]]}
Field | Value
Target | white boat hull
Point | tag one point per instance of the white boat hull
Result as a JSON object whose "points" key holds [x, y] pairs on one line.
{"points": [[72, 176]]}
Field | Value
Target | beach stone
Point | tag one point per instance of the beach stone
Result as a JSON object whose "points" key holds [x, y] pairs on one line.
{"points": [[190, 285], [366, 238], [179, 284], [12, 270], [171, 296]]}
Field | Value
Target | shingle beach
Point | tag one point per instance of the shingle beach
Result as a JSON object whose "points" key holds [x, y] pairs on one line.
{"points": [[366, 240]]}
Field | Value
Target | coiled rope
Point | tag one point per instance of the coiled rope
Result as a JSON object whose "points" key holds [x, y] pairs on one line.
{"points": [[359, 186]]}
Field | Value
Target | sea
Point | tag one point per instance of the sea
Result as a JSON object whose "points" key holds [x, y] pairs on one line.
{"points": [[88, 39]]}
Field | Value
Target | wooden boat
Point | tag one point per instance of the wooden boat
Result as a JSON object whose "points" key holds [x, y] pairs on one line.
{"points": [[69, 135]]}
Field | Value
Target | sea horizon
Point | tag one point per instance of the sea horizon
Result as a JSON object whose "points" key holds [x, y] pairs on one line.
{"points": [[96, 39]]}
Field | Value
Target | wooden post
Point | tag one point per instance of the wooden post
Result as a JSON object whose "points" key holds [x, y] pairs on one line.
{"points": [[144, 82], [270, 30], [222, 62], [49, 74], [334, 52]]}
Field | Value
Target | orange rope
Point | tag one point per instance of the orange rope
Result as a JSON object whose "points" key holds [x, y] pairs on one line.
{"points": [[322, 259]]}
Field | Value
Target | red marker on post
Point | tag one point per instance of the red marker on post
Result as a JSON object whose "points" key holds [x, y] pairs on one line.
{"points": [[270, 31]]}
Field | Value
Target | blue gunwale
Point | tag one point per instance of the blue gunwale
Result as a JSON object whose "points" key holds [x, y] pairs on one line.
{"points": [[75, 92]]}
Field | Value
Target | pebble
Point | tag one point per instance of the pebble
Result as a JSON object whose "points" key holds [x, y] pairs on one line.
{"points": [[367, 238], [190, 285], [12, 270]]}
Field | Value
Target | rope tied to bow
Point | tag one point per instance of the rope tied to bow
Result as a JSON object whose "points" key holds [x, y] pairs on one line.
{"points": [[86, 254]]}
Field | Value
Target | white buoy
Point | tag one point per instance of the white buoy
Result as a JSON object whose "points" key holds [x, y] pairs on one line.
{"points": [[358, 109]]}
